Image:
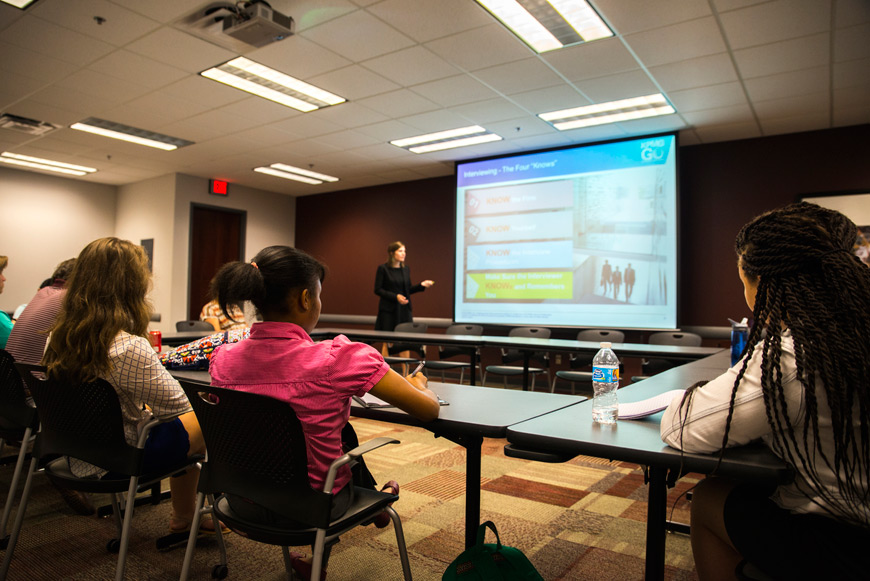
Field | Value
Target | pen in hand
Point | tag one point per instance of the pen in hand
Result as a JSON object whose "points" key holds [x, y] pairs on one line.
{"points": [[418, 369]]}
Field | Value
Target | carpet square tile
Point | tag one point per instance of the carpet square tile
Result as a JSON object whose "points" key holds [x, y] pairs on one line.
{"points": [[542, 492]]}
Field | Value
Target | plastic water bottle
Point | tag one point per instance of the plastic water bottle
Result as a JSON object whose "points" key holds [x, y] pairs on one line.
{"points": [[739, 335], [605, 381]]}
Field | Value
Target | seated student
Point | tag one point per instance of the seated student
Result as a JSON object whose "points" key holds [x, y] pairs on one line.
{"points": [[5, 321], [802, 388], [318, 380], [28, 337], [212, 313], [101, 332]]}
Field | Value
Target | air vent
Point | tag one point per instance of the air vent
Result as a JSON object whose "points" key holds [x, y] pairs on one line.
{"points": [[25, 125]]}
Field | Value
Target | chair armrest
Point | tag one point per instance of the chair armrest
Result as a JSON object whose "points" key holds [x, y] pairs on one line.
{"points": [[351, 456], [144, 428]]}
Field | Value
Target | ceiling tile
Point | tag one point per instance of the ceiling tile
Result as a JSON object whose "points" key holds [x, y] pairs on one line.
{"points": [[137, 69], [72, 100], [167, 106], [678, 42], [852, 97], [353, 82], [480, 48], [699, 72], [346, 139], [411, 66], [204, 91], [720, 115], [592, 59], [851, 12], [256, 111], [298, 57], [781, 57], [457, 90], [163, 10], [627, 16], [44, 112], [351, 115], [119, 25], [484, 112], [550, 99], [852, 74], [52, 40], [708, 97], [795, 124], [775, 21], [424, 20], [344, 36], [16, 87], [8, 15], [793, 106], [518, 76], [31, 64], [304, 126], [788, 84], [100, 85], [615, 87], [388, 130], [398, 103], [310, 13], [432, 121], [654, 125], [521, 127], [852, 43], [183, 51]]}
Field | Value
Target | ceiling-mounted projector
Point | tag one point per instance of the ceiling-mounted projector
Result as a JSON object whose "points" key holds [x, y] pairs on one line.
{"points": [[258, 25]]}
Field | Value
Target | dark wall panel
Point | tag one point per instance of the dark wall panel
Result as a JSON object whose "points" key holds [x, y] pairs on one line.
{"points": [[722, 186]]}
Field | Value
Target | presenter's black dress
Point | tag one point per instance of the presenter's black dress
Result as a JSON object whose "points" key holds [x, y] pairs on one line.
{"points": [[390, 282]]}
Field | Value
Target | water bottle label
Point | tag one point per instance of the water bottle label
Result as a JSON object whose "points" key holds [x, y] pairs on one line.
{"points": [[605, 375]]}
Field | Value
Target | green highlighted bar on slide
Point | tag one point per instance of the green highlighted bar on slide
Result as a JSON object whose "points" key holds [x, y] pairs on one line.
{"points": [[519, 285]]}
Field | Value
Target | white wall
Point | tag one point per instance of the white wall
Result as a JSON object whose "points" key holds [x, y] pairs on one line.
{"points": [[270, 219], [146, 210], [47, 219]]}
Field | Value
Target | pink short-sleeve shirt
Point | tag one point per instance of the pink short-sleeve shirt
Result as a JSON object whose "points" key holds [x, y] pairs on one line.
{"points": [[318, 380]]}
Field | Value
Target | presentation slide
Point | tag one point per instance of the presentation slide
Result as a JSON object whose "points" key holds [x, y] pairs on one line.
{"points": [[584, 236]]}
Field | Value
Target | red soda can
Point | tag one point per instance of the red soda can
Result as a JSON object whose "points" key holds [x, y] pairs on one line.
{"points": [[156, 340]]}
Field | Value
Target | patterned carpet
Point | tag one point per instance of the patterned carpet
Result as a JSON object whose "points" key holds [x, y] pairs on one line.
{"points": [[582, 520]]}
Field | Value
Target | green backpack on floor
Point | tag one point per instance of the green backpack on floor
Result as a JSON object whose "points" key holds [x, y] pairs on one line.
{"points": [[491, 562]]}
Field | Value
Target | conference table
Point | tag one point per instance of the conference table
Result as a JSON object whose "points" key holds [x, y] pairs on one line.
{"points": [[473, 413], [527, 345], [566, 433]]}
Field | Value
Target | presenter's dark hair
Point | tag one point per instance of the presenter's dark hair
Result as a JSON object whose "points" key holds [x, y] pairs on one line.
{"points": [[267, 280], [811, 282]]}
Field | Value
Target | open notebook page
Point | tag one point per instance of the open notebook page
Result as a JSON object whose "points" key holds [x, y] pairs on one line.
{"points": [[648, 407]]}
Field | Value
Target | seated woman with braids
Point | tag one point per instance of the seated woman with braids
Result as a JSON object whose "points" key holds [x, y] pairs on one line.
{"points": [[803, 388]]}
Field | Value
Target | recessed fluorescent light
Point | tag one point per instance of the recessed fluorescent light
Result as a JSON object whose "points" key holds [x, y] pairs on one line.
{"points": [[288, 172], [45, 164], [131, 134], [23, 4], [449, 139], [611, 112], [304, 172], [260, 80], [547, 25]]}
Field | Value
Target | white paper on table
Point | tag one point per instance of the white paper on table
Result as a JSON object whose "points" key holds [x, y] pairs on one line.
{"points": [[648, 407]]}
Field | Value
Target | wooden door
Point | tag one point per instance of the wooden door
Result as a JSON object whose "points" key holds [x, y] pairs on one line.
{"points": [[217, 236]]}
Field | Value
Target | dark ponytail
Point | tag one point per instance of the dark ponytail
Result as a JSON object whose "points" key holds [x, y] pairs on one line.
{"points": [[267, 280]]}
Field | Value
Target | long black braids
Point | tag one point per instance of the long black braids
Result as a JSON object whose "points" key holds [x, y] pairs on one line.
{"points": [[811, 283]]}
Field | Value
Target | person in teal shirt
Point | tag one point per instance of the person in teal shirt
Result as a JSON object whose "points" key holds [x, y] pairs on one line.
{"points": [[5, 321]]}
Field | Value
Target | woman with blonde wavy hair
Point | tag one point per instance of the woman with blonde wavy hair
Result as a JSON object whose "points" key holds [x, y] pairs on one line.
{"points": [[100, 332]]}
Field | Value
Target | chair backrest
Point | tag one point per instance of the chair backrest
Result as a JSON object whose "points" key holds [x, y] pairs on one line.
{"points": [[459, 329], [80, 420], [597, 335], [674, 338], [182, 326], [410, 327], [15, 414], [256, 450], [512, 355]]}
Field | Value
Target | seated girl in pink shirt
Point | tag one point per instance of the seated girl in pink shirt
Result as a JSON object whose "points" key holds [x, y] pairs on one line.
{"points": [[318, 380]]}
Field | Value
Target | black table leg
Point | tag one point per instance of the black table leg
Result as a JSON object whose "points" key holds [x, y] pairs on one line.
{"points": [[473, 367], [473, 451], [526, 357], [656, 515]]}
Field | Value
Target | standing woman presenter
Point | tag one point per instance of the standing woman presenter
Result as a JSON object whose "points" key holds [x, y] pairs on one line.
{"points": [[393, 285]]}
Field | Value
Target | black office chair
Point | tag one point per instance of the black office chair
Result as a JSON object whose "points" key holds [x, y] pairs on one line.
{"points": [[18, 424], [257, 451], [418, 348], [447, 352], [654, 365], [84, 421], [579, 361], [541, 358], [188, 326]]}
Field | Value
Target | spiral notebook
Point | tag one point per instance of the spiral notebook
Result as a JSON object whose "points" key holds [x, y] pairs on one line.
{"points": [[647, 407]]}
